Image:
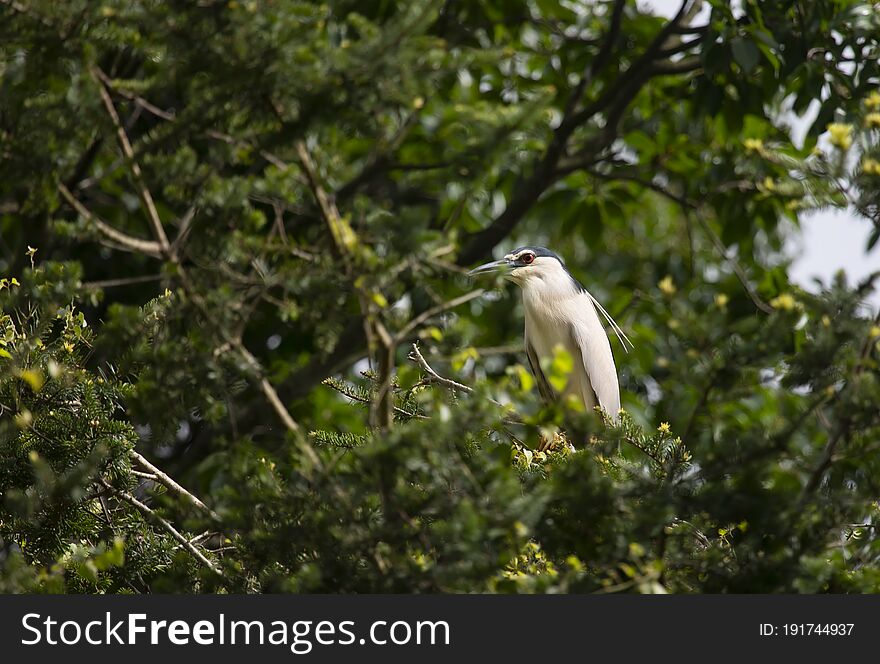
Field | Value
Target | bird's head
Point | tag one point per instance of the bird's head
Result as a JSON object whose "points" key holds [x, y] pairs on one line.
{"points": [[525, 265]]}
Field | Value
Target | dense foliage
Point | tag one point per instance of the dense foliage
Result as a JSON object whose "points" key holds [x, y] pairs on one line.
{"points": [[238, 351]]}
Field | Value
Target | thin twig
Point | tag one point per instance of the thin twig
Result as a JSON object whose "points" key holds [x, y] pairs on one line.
{"points": [[328, 208], [125, 281], [374, 330], [379, 339], [184, 228], [359, 399], [416, 355], [734, 264], [170, 116], [130, 96], [271, 158], [199, 538], [128, 151], [269, 390], [256, 368], [137, 245], [169, 483], [162, 248], [433, 311], [171, 530], [170, 251]]}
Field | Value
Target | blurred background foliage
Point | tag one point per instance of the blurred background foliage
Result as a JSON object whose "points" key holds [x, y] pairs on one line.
{"points": [[224, 224]]}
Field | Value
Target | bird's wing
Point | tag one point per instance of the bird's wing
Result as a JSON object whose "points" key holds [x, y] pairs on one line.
{"points": [[544, 387], [595, 351]]}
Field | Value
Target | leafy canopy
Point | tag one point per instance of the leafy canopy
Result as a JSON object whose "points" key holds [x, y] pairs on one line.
{"points": [[225, 224]]}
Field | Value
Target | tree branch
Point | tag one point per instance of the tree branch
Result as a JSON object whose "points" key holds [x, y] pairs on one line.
{"points": [[379, 340], [123, 281], [417, 357], [170, 116], [152, 249], [345, 391], [170, 251], [689, 208], [125, 145], [433, 311], [684, 66], [635, 75], [340, 232], [595, 67], [168, 482], [137, 99], [162, 523], [734, 264], [530, 188]]}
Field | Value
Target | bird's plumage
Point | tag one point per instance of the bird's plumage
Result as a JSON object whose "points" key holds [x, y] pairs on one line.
{"points": [[560, 311], [545, 389]]}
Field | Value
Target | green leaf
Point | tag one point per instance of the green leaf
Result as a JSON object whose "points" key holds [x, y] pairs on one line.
{"points": [[32, 377], [745, 53]]}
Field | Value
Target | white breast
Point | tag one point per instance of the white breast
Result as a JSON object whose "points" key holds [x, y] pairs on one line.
{"points": [[546, 324], [565, 316]]}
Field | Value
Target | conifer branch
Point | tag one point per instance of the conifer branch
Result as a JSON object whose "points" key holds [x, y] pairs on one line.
{"points": [[163, 247], [363, 396], [345, 242], [344, 440], [416, 356], [151, 515], [137, 245], [168, 482], [128, 152]]}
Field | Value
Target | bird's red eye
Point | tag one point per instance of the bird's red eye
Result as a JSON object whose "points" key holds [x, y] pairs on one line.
{"points": [[528, 259]]}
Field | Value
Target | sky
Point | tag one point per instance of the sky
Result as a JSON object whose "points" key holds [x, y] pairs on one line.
{"points": [[827, 240]]}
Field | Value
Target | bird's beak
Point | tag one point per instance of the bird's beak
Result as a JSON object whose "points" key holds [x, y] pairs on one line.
{"points": [[495, 266]]}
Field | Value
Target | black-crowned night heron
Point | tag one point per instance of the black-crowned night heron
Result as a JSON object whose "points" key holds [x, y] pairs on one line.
{"points": [[559, 311]]}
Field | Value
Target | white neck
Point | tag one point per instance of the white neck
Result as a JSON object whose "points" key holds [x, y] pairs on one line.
{"points": [[550, 281]]}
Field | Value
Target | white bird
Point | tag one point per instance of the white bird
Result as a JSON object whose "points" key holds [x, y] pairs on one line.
{"points": [[559, 311]]}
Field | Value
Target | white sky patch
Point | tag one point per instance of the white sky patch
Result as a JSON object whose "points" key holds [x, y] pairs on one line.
{"points": [[832, 240], [669, 8]]}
